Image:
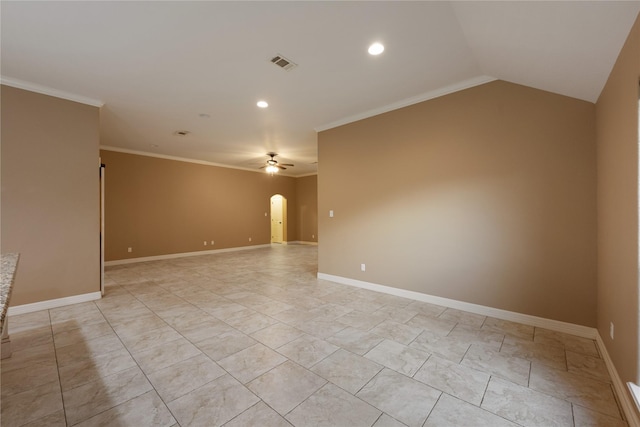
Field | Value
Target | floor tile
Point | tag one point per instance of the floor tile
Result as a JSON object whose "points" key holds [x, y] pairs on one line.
{"points": [[397, 332], [403, 398], [225, 344], [207, 329], [471, 335], [431, 324], [28, 338], [29, 321], [506, 327], [307, 350], [148, 339], [331, 406], [445, 347], [251, 362], [28, 377], [426, 308], [258, 414], [492, 362], [569, 342], [457, 380], [463, 317], [86, 349], [347, 370], [535, 352], [589, 366], [251, 322], [53, 420], [183, 377], [398, 314], [386, 421], [584, 417], [165, 355], [286, 386], [360, 320], [28, 356], [525, 406], [398, 357], [145, 410], [277, 335], [355, 340], [320, 328], [94, 368], [583, 391], [84, 332], [213, 404], [90, 399], [452, 412], [31, 405]]}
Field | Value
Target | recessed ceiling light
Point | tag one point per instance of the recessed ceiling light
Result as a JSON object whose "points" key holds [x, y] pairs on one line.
{"points": [[262, 104], [376, 49]]}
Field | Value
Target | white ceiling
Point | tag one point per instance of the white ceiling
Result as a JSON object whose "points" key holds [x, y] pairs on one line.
{"points": [[157, 66]]}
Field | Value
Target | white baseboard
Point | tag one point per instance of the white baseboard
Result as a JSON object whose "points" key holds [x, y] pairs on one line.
{"points": [[624, 395], [554, 325], [53, 303], [181, 255], [303, 242]]}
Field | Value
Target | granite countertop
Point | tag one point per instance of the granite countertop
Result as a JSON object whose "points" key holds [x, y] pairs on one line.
{"points": [[8, 266]]}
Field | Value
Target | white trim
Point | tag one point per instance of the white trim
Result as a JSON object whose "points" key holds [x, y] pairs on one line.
{"points": [[624, 397], [182, 255], [554, 325], [53, 303], [635, 393], [303, 242], [187, 160], [456, 87], [33, 87]]}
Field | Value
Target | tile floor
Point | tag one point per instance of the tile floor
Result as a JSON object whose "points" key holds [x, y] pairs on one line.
{"points": [[252, 338]]}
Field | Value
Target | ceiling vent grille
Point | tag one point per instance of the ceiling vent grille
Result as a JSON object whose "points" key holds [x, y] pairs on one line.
{"points": [[283, 62]]}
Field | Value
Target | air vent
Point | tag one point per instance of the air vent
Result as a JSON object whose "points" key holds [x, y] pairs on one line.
{"points": [[283, 62]]}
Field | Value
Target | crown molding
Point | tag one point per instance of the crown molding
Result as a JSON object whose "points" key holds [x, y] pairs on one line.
{"points": [[187, 160], [465, 84], [33, 87]]}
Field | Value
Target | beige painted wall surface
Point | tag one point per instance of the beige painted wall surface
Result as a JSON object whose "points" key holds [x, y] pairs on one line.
{"points": [[50, 195], [307, 193], [487, 196], [617, 139], [159, 207]]}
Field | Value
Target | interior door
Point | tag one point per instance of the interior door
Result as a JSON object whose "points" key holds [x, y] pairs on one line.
{"points": [[276, 219], [102, 172]]}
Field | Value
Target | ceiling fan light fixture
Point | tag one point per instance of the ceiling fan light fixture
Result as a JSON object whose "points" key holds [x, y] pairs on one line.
{"points": [[376, 49], [262, 104], [271, 169]]}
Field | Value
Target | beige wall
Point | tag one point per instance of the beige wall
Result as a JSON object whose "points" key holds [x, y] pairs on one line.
{"points": [[158, 206], [487, 196], [307, 194], [50, 195], [617, 139]]}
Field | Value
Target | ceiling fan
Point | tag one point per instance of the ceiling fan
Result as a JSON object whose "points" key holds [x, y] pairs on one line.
{"points": [[273, 166]]}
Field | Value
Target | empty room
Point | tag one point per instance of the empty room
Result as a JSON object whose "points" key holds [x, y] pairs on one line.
{"points": [[320, 213]]}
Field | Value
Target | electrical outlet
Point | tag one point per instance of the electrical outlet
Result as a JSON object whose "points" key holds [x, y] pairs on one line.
{"points": [[313, 236], [249, 238], [611, 329], [212, 242], [363, 267], [205, 243], [129, 249], [331, 214]]}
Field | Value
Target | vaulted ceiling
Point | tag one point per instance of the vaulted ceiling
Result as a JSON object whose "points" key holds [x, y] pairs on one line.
{"points": [[162, 67]]}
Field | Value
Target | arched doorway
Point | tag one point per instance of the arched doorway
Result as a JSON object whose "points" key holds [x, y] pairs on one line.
{"points": [[278, 219]]}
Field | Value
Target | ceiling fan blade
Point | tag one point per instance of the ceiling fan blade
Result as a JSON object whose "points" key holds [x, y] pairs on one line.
{"points": [[262, 167], [281, 167], [286, 164]]}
